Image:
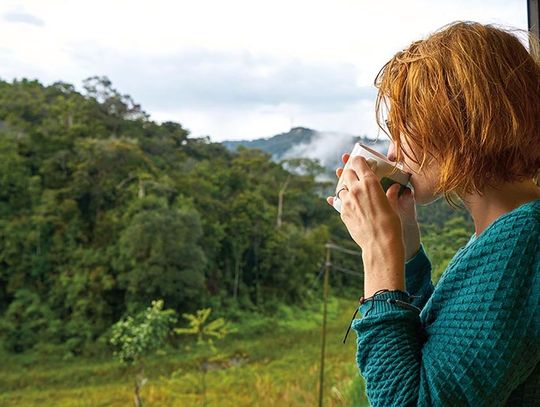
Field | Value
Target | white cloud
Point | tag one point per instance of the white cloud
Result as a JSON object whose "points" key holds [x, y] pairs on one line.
{"points": [[139, 44], [200, 78], [224, 123], [20, 16]]}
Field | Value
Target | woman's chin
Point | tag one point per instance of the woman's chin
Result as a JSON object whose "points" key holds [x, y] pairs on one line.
{"points": [[423, 197], [420, 200], [426, 199]]}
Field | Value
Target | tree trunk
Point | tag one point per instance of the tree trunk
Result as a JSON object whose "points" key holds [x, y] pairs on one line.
{"points": [[141, 190], [280, 201], [140, 381], [236, 273], [204, 370]]}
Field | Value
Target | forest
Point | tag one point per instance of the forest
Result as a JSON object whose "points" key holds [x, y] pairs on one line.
{"points": [[104, 211]]}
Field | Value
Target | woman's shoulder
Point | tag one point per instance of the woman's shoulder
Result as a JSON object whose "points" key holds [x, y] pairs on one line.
{"points": [[528, 211], [519, 225], [505, 257], [512, 240]]}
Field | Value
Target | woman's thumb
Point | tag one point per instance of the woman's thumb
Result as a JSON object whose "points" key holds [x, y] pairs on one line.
{"points": [[407, 203], [392, 195], [407, 198]]}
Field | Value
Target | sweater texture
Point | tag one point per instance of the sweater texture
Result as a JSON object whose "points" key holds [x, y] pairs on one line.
{"points": [[475, 340]]}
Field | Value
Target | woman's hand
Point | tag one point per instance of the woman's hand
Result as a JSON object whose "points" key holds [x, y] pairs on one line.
{"points": [[365, 209], [405, 206], [373, 221]]}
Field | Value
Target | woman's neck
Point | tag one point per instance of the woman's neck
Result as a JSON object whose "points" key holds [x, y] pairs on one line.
{"points": [[492, 203]]}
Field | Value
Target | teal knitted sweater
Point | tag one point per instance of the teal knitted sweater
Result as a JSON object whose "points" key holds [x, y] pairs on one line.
{"points": [[476, 340]]}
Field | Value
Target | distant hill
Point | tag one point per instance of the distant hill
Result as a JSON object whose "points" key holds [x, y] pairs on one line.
{"points": [[301, 142], [277, 145]]}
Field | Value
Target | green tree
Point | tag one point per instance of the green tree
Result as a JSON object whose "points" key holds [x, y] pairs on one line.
{"points": [[290, 260], [159, 254], [135, 338], [27, 321]]}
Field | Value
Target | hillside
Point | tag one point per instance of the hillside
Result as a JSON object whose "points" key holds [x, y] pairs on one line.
{"points": [[277, 145], [301, 142], [104, 210]]}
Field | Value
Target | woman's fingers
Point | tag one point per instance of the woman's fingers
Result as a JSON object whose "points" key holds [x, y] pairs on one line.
{"points": [[349, 178], [392, 195], [344, 158]]}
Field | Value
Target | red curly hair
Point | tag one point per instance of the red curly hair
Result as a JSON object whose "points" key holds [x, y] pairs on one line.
{"points": [[468, 98]]}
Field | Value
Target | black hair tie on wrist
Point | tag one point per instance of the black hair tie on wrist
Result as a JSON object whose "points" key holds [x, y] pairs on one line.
{"points": [[399, 303]]}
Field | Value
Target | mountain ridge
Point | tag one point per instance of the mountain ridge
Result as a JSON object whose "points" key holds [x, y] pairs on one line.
{"points": [[303, 142]]}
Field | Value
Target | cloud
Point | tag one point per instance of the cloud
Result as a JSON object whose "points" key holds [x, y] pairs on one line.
{"points": [[249, 122], [325, 146], [206, 79], [22, 17], [275, 65], [328, 147]]}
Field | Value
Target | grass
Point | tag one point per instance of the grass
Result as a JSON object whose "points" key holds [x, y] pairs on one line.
{"points": [[269, 362]]}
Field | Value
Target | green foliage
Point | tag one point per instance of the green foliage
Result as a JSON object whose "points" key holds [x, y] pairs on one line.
{"points": [[138, 336], [260, 367], [437, 213], [203, 330], [290, 261], [159, 254], [205, 333], [356, 391], [103, 210], [26, 321], [442, 243]]}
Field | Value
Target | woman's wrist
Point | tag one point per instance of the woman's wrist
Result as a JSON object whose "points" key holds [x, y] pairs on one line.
{"points": [[384, 267], [371, 286], [389, 252]]}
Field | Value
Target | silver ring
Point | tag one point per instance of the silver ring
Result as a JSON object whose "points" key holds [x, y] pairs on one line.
{"points": [[343, 188]]}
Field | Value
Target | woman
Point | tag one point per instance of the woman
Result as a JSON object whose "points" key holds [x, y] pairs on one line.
{"points": [[463, 112]]}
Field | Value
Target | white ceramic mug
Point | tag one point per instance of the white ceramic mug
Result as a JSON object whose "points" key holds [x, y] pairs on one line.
{"points": [[387, 171]]}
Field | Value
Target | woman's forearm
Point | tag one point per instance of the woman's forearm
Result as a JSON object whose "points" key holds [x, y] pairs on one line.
{"points": [[384, 267]]}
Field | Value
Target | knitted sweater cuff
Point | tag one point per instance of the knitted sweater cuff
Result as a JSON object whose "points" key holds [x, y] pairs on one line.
{"points": [[380, 304], [418, 277], [417, 263]]}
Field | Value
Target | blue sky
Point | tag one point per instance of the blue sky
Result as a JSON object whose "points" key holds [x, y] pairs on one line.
{"points": [[237, 69]]}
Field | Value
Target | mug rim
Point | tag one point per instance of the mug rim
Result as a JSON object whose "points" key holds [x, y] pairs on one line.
{"points": [[375, 152], [403, 176]]}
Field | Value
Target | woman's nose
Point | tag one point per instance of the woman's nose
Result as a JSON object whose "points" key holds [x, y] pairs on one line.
{"points": [[391, 155]]}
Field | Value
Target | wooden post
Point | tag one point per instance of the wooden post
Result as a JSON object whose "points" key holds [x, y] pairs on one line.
{"points": [[323, 334]]}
